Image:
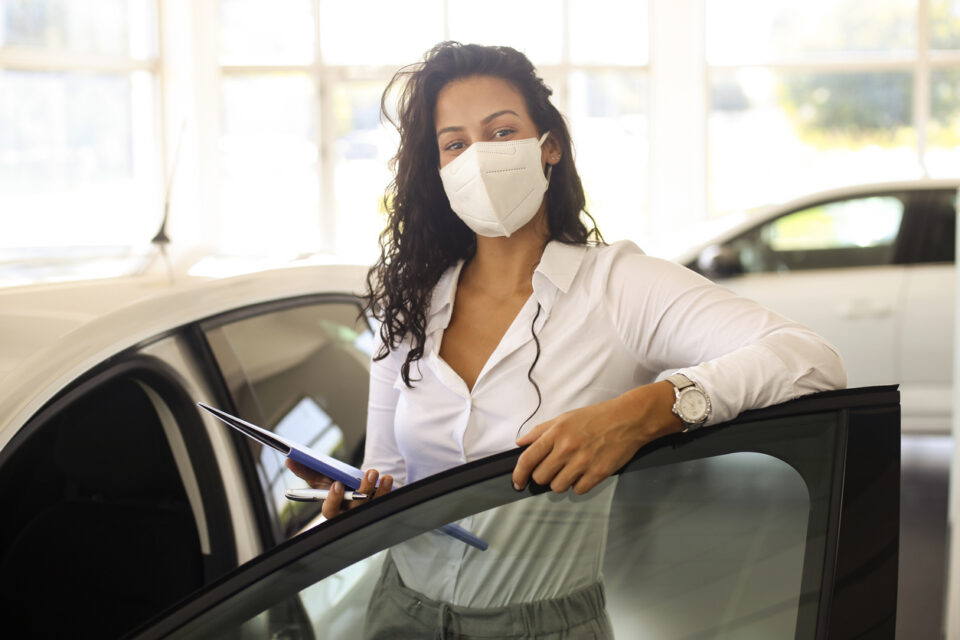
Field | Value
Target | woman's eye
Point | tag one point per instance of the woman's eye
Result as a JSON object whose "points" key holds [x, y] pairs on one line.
{"points": [[502, 133], [453, 146]]}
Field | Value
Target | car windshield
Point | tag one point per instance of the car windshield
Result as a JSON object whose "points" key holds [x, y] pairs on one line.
{"points": [[719, 536]]}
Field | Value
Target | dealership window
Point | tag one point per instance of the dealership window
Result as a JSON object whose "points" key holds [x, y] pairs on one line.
{"points": [[820, 93], [79, 142], [304, 154], [273, 109]]}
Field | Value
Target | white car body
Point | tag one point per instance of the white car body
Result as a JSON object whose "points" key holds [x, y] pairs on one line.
{"points": [[52, 333], [892, 323]]}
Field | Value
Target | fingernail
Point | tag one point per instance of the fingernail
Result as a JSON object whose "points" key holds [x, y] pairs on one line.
{"points": [[337, 487], [517, 487], [371, 474]]}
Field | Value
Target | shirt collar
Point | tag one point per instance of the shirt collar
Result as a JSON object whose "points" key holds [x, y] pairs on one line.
{"points": [[441, 300], [554, 275], [559, 264]]}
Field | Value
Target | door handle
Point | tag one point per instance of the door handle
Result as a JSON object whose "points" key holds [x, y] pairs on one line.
{"points": [[859, 309]]}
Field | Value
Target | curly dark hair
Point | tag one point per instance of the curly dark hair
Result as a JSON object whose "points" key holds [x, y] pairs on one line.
{"points": [[423, 236]]}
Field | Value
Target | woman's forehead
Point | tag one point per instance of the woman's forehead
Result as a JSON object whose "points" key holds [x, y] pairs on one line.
{"points": [[468, 101]]}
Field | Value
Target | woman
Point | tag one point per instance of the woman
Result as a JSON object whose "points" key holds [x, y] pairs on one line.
{"points": [[507, 321]]}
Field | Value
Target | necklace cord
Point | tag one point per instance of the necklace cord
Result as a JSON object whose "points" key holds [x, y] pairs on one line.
{"points": [[536, 341]]}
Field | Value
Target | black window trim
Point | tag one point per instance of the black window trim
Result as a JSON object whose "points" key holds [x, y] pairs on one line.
{"points": [[853, 596], [272, 306]]}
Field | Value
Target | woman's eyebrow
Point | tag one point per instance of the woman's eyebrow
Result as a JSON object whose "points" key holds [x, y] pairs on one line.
{"points": [[490, 117]]}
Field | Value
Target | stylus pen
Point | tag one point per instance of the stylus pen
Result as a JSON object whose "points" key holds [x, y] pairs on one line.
{"points": [[318, 495]]}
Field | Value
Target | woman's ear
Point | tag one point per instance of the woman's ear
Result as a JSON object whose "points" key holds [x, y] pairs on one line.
{"points": [[551, 150]]}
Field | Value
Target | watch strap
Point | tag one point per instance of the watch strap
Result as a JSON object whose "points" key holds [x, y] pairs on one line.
{"points": [[680, 381]]}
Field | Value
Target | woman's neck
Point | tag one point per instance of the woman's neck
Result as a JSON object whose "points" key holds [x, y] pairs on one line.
{"points": [[506, 265]]}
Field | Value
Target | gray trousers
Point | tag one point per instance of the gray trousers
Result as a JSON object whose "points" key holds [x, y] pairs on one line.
{"points": [[397, 612]]}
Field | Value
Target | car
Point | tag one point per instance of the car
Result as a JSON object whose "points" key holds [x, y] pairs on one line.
{"points": [[119, 495], [782, 523], [868, 267], [872, 269]]}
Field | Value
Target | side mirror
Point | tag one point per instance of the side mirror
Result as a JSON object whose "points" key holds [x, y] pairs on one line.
{"points": [[719, 261]]}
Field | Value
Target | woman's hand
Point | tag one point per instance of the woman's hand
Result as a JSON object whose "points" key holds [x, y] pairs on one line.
{"points": [[583, 447], [334, 504]]}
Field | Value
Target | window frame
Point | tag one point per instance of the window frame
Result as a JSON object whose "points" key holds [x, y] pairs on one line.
{"points": [[325, 77], [44, 60], [922, 63], [268, 528]]}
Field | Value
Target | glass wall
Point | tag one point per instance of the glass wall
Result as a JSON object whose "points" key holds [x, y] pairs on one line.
{"points": [[305, 153], [817, 94], [79, 154], [292, 155]]}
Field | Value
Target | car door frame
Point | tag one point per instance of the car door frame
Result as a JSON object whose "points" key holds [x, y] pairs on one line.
{"points": [[201, 344]]}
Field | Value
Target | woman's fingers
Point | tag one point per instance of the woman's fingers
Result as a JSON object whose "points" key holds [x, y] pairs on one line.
{"points": [[588, 481], [335, 504], [582, 447], [315, 479], [566, 477], [369, 483], [530, 459], [332, 505], [386, 485]]}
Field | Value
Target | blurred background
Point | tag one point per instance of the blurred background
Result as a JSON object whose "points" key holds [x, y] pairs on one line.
{"points": [[682, 111]]}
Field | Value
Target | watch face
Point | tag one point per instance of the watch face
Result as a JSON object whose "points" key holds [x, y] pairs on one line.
{"points": [[692, 405]]}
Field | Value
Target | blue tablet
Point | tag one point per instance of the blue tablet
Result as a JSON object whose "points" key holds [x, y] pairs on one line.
{"points": [[350, 476]]}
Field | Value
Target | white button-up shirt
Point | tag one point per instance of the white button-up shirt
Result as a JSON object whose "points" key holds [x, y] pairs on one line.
{"points": [[611, 319]]}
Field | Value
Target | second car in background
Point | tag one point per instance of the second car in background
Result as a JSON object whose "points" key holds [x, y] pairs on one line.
{"points": [[870, 268]]}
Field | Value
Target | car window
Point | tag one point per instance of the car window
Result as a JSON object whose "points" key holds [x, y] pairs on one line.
{"points": [[730, 534], [301, 372], [858, 232], [98, 507]]}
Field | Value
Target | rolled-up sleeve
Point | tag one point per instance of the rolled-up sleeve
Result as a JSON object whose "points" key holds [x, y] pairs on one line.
{"points": [[381, 451], [744, 355]]}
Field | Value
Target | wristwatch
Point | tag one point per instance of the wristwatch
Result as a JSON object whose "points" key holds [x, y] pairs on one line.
{"points": [[692, 404]]}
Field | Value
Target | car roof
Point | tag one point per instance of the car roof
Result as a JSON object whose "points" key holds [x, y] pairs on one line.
{"points": [[741, 222], [53, 332]]}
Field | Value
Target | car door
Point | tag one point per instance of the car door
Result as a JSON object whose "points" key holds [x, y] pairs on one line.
{"points": [[831, 267], [781, 523]]}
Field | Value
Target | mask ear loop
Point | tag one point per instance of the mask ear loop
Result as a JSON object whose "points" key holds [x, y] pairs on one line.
{"points": [[543, 139]]}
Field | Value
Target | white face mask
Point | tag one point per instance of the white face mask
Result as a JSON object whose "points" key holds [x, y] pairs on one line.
{"points": [[496, 187]]}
